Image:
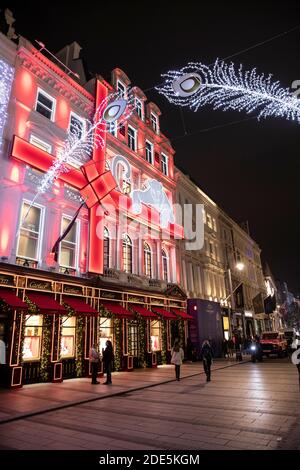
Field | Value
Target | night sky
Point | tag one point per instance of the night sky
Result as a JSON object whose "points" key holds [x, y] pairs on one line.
{"points": [[250, 168]]}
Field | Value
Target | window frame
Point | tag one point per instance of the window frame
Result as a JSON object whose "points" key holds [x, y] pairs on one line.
{"points": [[165, 164], [165, 257], [154, 119], [80, 119], [40, 232], [49, 97], [43, 144], [135, 138], [152, 151], [126, 236], [148, 261], [122, 93], [77, 224], [140, 102]]}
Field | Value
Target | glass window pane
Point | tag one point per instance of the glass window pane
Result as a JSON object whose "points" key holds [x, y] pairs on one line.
{"points": [[32, 221], [67, 255], [71, 237], [28, 244], [45, 101]]}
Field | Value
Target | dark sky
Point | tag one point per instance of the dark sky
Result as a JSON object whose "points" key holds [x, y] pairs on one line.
{"points": [[251, 168]]}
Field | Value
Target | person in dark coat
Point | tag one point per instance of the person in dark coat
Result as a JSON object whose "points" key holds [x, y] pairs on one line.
{"points": [[108, 357], [225, 347], [207, 355]]}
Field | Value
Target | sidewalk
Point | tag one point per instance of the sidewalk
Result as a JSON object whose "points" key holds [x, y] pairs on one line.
{"points": [[43, 397]]}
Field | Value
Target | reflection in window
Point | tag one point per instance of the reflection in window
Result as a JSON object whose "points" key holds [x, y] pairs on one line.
{"points": [[67, 342], [105, 332], [32, 337], [29, 232], [68, 245], [127, 254], [147, 260], [155, 335]]}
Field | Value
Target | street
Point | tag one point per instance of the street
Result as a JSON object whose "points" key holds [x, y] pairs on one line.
{"points": [[246, 406]]}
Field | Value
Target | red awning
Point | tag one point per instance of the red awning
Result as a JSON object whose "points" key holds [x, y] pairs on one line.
{"points": [[165, 313], [117, 309], [46, 303], [182, 314], [12, 300], [80, 306], [143, 311]]}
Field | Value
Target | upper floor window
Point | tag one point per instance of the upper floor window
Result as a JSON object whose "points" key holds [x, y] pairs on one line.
{"points": [[68, 247], [147, 260], [112, 128], [106, 248], [139, 107], [45, 104], [211, 249], [30, 231], [149, 152], [121, 88], [127, 253], [209, 221], [214, 224], [154, 122], [164, 164], [41, 144], [165, 265], [76, 126], [132, 138]]}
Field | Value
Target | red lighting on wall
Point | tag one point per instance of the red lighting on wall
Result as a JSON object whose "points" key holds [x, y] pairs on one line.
{"points": [[15, 173]]}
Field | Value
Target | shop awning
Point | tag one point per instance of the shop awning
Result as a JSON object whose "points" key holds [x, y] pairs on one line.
{"points": [[46, 303], [80, 306], [165, 313], [117, 309], [182, 314], [10, 298], [143, 311]]}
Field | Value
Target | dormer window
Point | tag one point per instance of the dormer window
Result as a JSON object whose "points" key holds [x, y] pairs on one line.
{"points": [[139, 108], [164, 164], [154, 122], [149, 152], [121, 88]]}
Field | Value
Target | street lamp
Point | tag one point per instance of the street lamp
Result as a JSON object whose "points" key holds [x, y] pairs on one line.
{"points": [[239, 266]]}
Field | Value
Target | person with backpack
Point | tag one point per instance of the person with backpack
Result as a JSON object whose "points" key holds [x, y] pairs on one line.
{"points": [[207, 356], [177, 357]]}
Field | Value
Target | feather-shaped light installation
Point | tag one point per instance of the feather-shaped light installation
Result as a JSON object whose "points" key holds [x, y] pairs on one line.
{"points": [[225, 86]]}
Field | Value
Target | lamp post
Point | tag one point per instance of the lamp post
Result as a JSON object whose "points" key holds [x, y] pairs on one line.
{"points": [[239, 266]]}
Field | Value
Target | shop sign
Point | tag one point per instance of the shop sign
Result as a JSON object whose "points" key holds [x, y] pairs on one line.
{"points": [[6, 280], [132, 298], [39, 284], [69, 289], [111, 295]]}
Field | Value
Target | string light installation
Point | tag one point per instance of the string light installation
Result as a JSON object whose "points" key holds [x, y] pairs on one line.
{"points": [[6, 79], [226, 87], [114, 110]]}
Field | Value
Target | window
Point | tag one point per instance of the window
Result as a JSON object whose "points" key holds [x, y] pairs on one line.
{"points": [[41, 144], [209, 220], [127, 254], [155, 335], [112, 128], [165, 265], [106, 248], [77, 125], [139, 108], [121, 88], [45, 104], [149, 152], [133, 338], [30, 228], [67, 341], [68, 247], [211, 249], [132, 138], [124, 181], [154, 122], [105, 332], [147, 260], [32, 337], [214, 224], [164, 164]]}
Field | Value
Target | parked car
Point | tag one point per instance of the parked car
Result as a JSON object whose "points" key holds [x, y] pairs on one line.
{"points": [[273, 342]]}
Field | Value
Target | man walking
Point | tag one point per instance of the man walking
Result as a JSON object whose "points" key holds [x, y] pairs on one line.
{"points": [[94, 358], [207, 356]]}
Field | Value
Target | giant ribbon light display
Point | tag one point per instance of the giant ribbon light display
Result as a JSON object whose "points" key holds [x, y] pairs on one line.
{"points": [[226, 87], [6, 79]]}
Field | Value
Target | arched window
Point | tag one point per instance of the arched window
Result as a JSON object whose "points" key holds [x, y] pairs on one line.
{"points": [[106, 248], [165, 265], [147, 260], [127, 253]]}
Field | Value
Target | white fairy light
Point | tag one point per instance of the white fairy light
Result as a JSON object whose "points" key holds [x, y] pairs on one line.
{"points": [[226, 87], [6, 79]]}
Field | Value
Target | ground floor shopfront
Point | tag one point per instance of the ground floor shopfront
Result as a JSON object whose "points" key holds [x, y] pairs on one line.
{"points": [[47, 326]]}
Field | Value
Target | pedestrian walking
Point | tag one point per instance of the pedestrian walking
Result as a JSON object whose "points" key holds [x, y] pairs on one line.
{"points": [[177, 357], [207, 358], [230, 347], [94, 358], [225, 347], [108, 358]]}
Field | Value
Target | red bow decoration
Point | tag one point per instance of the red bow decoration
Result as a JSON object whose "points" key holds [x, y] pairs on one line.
{"points": [[99, 184]]}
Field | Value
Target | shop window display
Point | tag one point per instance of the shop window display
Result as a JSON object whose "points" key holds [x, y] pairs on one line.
{"points": [[32, 337], [67, 342]]}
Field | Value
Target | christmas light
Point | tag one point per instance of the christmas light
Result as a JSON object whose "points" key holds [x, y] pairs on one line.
{"points": [[6, 79], [226, 87]]}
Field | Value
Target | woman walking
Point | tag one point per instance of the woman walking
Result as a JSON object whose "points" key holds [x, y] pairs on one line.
{"points": [[108, 357], [177, 357]]}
